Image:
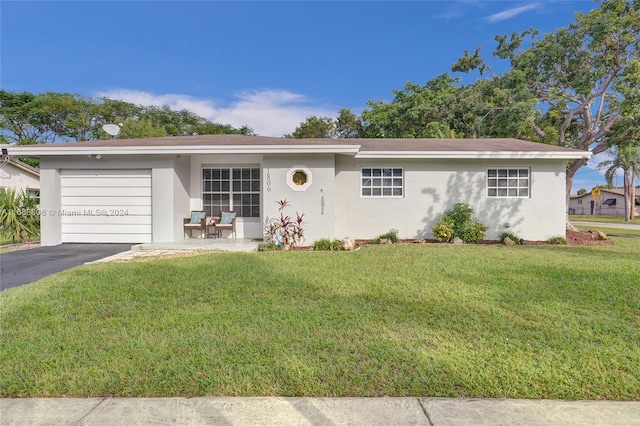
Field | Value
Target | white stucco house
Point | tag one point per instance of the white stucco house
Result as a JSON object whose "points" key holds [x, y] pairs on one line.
{"points": [[16, 175], [139, 190]]}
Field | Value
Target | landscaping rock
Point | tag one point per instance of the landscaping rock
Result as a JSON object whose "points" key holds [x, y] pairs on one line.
{"points": [[457, 240], [420, 241], [597, 235], [508, 242], [348, 244]]}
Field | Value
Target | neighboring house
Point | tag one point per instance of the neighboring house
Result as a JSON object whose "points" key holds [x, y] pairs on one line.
{"points": [[14, 174], [139, 190], [609, 203]]}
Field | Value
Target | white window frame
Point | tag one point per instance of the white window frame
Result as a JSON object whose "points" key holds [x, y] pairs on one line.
{"points": [[231, 192], [508, 182], [373, 178]]}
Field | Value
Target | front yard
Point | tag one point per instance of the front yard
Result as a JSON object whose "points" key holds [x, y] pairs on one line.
{"points": [[422, 320]]}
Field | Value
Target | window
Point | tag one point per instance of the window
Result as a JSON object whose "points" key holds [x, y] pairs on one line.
{"points": [[382, 182], [579, 202], [510, 183], [236, 189], [34, 193], [299, 178]]}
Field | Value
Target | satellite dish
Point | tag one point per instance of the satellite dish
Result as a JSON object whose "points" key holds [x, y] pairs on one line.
{"points": [[112, 129]]}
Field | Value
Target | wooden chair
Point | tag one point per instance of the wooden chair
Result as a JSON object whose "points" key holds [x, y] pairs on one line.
{"points": [[197, 222], [227, 221]]}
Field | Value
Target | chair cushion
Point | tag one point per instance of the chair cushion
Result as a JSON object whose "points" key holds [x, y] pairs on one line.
{"points": [[227, 218], [196, 217]]}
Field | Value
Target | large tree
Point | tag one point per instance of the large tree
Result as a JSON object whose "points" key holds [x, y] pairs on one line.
{"points": [[584, 76], [47, 117]]}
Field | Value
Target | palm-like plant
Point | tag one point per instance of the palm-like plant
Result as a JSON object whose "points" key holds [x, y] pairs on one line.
{"points": [[19, 216], [627, 158]]}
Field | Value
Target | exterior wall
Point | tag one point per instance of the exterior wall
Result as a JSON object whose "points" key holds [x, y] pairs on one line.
{"points": [[433, 186], [16, 178], [317, 202], [50, 198], [245, 227], [169, 183]]}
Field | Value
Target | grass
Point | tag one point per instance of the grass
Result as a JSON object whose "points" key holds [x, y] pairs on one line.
{"points": [[605, 219], [398, 320], [611, 231]]}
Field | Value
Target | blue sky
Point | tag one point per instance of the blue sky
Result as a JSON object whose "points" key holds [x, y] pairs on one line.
{"points": [[265, 64]]}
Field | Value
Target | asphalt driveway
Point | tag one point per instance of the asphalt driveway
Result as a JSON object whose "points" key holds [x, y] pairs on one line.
{"points": [[25, 266]]}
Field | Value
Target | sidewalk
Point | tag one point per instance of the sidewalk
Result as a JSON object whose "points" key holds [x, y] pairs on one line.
{"points": [[315, 411], [607, 225]]}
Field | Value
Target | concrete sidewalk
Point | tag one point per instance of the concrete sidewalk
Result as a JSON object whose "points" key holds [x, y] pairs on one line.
{"points": [[315, 411]]}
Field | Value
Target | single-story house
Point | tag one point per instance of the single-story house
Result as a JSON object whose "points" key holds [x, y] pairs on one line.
{"points": [[609, 203], [19, 176], [139, 190]]}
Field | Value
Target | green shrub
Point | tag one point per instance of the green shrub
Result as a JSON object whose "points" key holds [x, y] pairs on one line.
{"points": [[19, 216], [474, 232], [392, 236], [326, 244], [513, 237], [269, 246], [557, 240], [458, 222], [443, 231]]}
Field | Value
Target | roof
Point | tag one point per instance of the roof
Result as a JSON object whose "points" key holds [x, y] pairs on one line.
{"points": [[360, 148], [23, 166], [614, 191]]}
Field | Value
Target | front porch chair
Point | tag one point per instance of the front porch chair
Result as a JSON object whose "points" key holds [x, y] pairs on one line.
{"points": [[196, 222], [227, 222]]}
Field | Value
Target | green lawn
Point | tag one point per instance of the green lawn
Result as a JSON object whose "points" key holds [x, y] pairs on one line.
{"points": [[605, 219], [611, 231], [416, 319]]}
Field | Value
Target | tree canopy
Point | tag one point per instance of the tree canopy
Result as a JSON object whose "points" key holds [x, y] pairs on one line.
{"points": [[27, 118]]}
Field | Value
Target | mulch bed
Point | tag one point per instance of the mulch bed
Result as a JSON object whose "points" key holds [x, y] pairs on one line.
{"points": [[574, 238]]}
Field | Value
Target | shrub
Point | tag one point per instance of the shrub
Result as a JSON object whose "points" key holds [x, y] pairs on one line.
{"points": [[459, 222], [19, 216], [391, 236], [268, 247], [326, 244], [557, 240], [285, 231], [443, 231], [513, 237]]}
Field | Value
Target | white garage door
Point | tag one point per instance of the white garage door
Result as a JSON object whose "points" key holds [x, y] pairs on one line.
{"points": [[106, 206]]}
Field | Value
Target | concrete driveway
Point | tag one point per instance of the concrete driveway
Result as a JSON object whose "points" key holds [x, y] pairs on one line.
{"points": [[24, 266]]}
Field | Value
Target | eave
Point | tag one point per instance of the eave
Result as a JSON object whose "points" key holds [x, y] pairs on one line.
{"points": [[183, 150], [564, 155]]}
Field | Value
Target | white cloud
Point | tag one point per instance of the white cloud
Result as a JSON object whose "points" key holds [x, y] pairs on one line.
{"points": [[511, 13], [267, 112]]}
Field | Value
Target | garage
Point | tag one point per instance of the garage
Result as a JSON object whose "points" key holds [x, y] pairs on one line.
{"points": [[105, 206]]}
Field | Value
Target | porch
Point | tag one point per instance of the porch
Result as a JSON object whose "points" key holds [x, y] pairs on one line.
{"points": [[204, 244]]}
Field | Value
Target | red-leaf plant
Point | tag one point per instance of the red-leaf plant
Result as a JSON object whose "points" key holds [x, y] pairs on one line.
{"points": [[284, 230]]}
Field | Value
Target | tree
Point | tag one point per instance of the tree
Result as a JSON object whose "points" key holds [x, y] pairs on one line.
{"points": [[582, 191], [22, 120], [48, 117], [348, 125], [443, 108], [314, 127], [584, 76], [627, 158], [142, 128]]}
